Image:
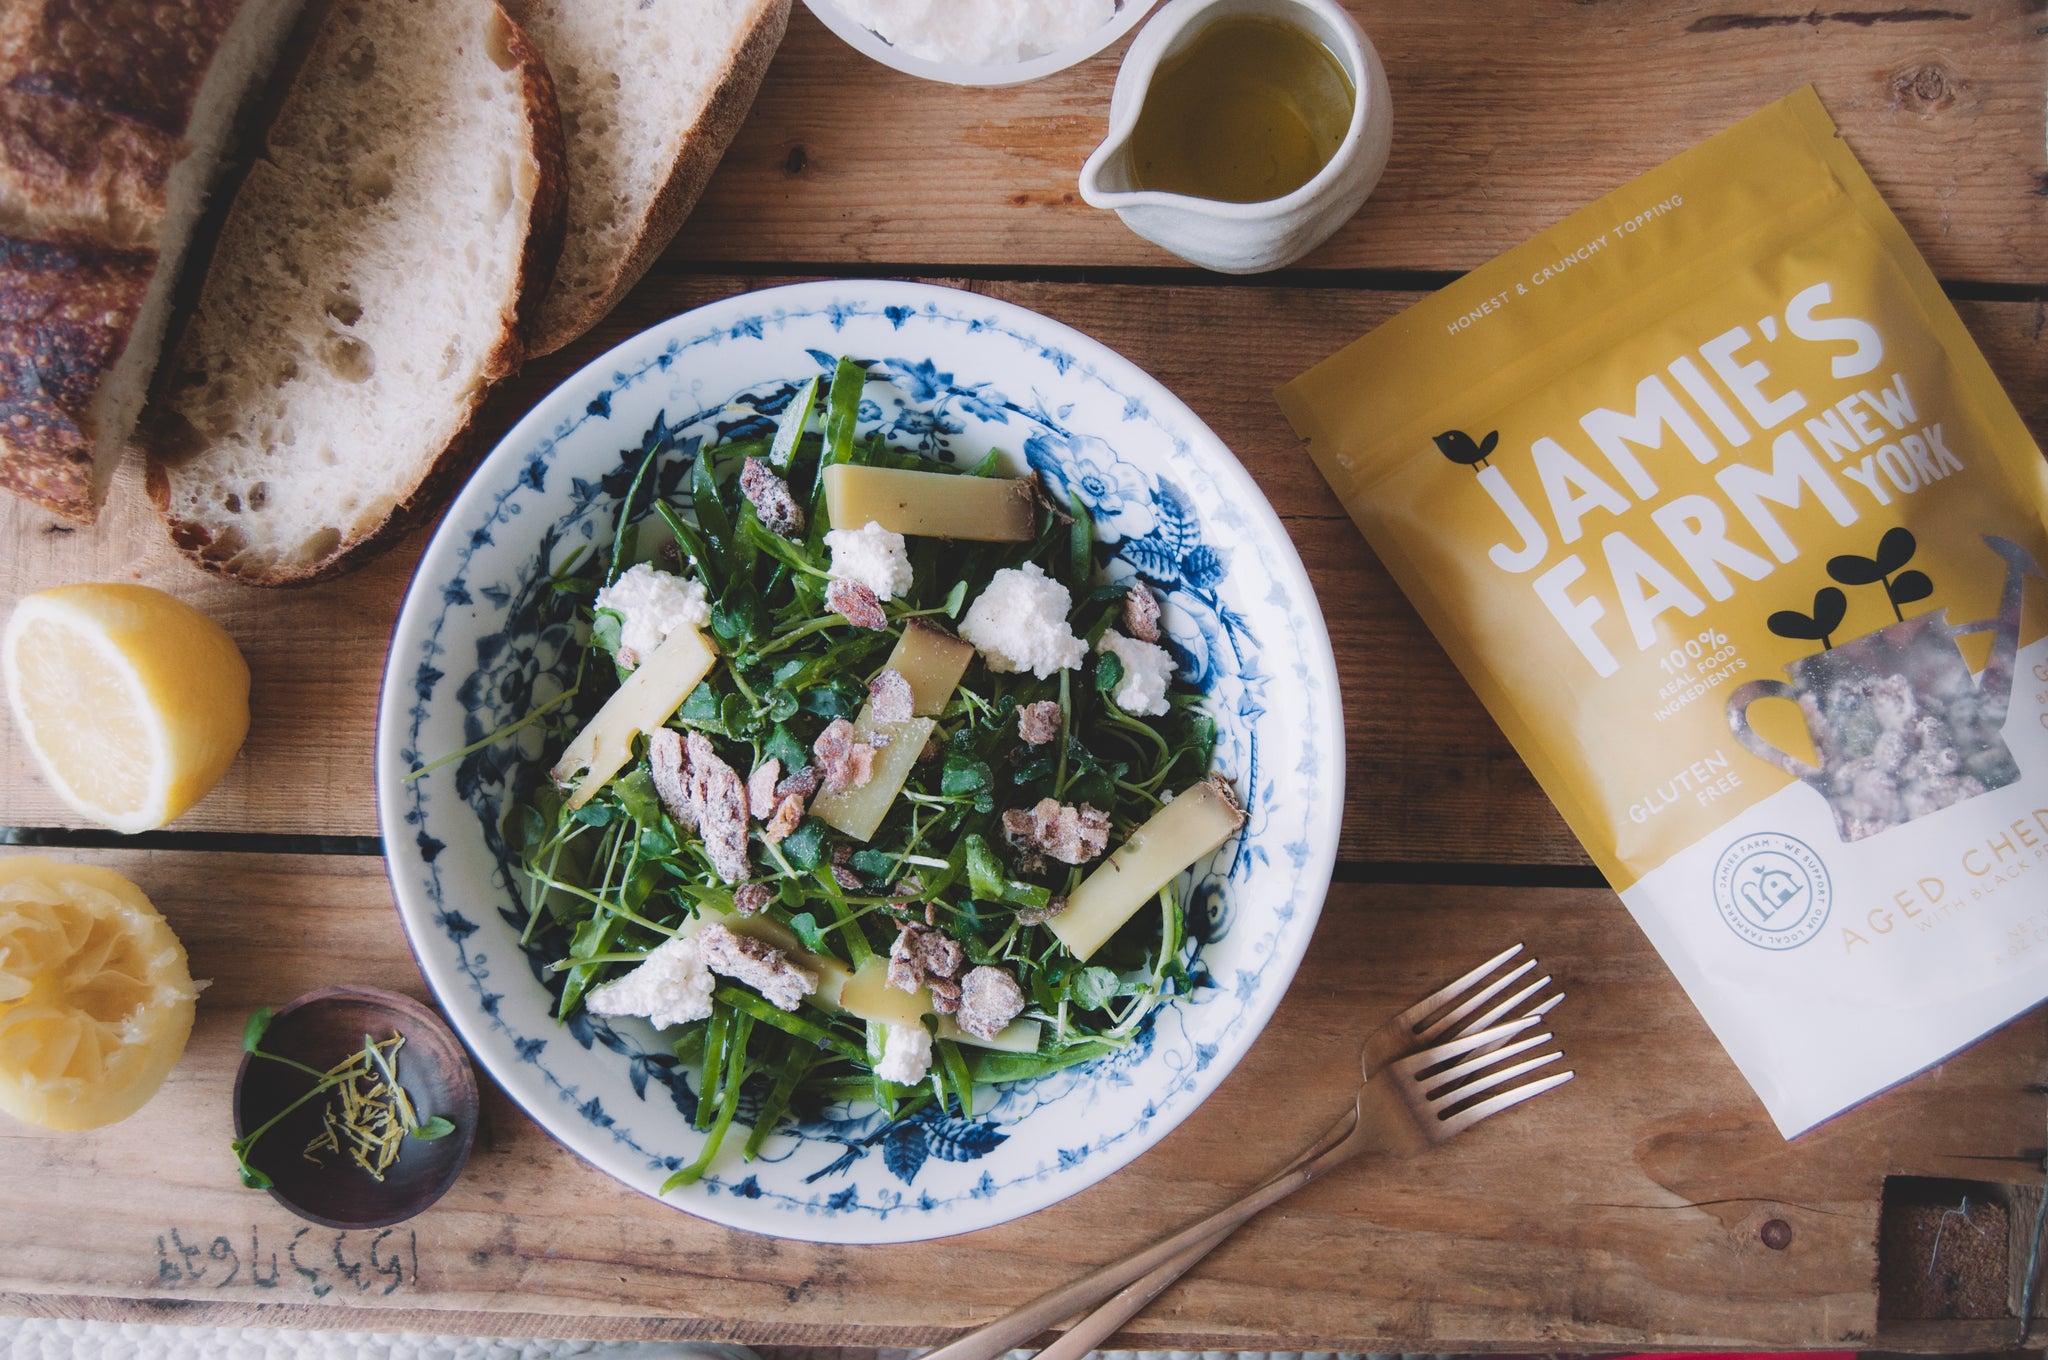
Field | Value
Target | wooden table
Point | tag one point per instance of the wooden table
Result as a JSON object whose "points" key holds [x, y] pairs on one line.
{"points": [[1650, 1203]]}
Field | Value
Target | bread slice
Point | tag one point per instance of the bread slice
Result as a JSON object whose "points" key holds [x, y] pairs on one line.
{"points": [[651, 92], [113, 115], [366, 292]]}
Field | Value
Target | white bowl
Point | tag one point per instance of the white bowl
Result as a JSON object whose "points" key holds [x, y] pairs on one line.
{"points": [[967, 374], [869, 43]]}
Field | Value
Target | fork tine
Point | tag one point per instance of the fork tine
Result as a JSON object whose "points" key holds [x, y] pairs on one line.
{"points": [[1453, 1076], [1493, 1016], [1492, 1105], [1452, 1018], [1442, 996], [1451, 1049], [1488, 1081]]}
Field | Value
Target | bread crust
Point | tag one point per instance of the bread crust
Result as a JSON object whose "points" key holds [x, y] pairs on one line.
{"points": [[165, 433], [90, 132], [698, 151], [67, 307]]}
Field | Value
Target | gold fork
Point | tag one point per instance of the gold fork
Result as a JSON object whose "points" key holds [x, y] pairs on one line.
{"points": [[1434, 1094]]}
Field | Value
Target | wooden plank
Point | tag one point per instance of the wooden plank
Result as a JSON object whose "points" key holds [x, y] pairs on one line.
{"points": [[1626, 1209], [1504, 122], [1431, 777]]}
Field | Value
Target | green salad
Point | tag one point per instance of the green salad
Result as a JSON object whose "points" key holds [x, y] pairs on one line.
{"points": [[871, 785]]}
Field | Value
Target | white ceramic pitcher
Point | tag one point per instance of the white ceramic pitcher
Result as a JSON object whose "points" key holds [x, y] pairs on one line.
{"points": [[1245, 238]]}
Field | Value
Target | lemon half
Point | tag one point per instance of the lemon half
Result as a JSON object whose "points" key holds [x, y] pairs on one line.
{"points": [[96, 996], [132, 701]]}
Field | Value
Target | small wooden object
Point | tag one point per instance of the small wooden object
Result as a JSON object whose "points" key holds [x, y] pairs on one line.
{"points": [[321, 1029]]}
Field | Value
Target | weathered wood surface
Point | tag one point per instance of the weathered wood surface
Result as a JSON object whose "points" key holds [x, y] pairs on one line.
{"points": [[1506, 118], [1626, 1209], [1431, 778]]}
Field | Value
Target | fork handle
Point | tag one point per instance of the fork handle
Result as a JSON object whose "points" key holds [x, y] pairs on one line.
{"points": [[1169, 1258]]}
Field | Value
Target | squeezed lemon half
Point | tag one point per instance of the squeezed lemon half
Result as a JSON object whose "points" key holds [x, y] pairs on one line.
{"points": [[96, 996], [132, 701]]}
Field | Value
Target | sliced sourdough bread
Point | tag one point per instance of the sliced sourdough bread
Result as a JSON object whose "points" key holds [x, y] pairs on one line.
{"points": [[113, 115], [367, 290], [651, 93]]}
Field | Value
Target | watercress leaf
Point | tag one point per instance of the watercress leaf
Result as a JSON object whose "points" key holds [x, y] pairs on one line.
{"points": [[805, 846], [257, 1026], [436, 1127], [789, 432], [956, 599], [788, 670], [736, 716], [843, 411], [1109, 672], [809, 931], [783, 746], [964, 774], [596, 812], [1080, 540], [1094, 987], [605, 628], [829, 701], [693, 544], [253, 1178], [635, 791], [711, 516], [701, 708], [985, 874], [781, 705], [656, 843], [873, 863]]}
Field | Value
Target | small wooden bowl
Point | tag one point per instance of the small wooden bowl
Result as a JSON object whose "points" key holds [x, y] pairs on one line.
{"points": [[320, 1029]]}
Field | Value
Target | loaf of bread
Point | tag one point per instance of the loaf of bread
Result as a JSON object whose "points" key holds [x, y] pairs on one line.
{"points": [[651, 94], [371, 282], [113, 114]]}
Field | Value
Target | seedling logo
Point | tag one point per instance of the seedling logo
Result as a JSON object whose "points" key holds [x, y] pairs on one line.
{"points": [[1459, 447], [1773, 891]]}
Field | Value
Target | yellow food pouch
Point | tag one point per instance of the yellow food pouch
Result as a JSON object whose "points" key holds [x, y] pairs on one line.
{"points": [[1714, 501]]}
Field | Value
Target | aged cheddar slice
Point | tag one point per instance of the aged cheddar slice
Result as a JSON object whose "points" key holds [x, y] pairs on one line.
{"points": [[644, 702], [857, 812], [932, 504], [1173, 838], [933, 662]]}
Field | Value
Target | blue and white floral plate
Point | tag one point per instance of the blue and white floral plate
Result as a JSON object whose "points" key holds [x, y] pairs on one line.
{"points": [[482, 640]]}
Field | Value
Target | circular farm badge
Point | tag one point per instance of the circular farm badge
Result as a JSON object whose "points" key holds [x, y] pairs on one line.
{"points": [[1772, 890]]}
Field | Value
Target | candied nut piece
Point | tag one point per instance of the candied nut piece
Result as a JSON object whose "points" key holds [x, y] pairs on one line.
{"points": [[920, 955], [1039, 723], [749, 898], [889, 697], [848, 762], [989, 999], [803, 783], [856, 604], [945, 995], [789, 815], [761, 785], [670, 768], [758, 964], [1141, 613], [1038, 916], [719, 800], [771, 498], [1071, 835]]}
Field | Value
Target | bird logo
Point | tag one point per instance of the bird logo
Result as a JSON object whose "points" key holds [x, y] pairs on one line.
{"points": [[1457, 446]]}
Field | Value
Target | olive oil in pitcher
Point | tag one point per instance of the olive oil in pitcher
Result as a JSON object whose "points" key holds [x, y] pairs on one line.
{"points": [[1249, 111]]}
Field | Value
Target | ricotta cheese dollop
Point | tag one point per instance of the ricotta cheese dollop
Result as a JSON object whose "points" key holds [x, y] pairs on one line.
{"points": [[670, 986], [906, 1054], [652, 604], [1020, 623], [878, 558], [979, 32], [1147, 669]]}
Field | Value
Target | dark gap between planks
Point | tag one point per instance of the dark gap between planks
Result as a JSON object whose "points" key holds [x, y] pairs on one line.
{"points": [[1171, 276]]}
